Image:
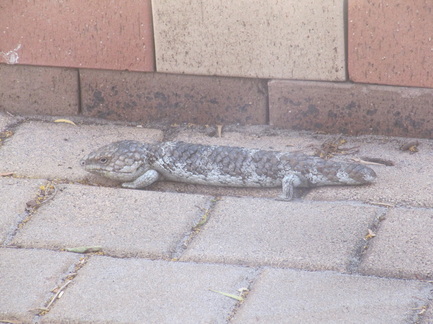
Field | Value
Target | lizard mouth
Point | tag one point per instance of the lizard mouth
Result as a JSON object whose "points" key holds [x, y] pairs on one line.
{"points": [[125, 174]]}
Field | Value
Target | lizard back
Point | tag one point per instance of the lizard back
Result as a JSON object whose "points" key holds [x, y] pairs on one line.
{"points": [[236, 166]]}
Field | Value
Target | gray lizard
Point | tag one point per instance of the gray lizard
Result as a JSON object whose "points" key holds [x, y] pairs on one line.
{"points": [[137, 165]]}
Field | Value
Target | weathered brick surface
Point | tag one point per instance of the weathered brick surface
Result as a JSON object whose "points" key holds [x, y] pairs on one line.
{"points": [[351, 108], [104, 34], [390, 42], [143, 97], [127, 223], [287, 240], [38, 90], [14, 194], [279, 39], [27, 278], [402, 247], [230, 245], [110, 290], [332, 298], [34, 152]]}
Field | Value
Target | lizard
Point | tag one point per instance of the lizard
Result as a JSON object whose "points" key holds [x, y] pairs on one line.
{"points": [[137, 165]]}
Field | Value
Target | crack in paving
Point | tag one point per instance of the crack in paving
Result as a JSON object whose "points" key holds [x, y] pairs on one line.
{"points": [[45, 193], [244, 292], [57, 293], [183, 244], [362, 246]]}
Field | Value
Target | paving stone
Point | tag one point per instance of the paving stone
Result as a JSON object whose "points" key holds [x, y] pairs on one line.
{"points": [[279, 40], [124, 222], [14, 194], [173, 99], [402, 247], [317, 236], [144, 291], [351, 109], [27, 278], [389, 42], [54, 150], [4, 120], [105, 35], [38, 90], [288, 296], [395, 185]]}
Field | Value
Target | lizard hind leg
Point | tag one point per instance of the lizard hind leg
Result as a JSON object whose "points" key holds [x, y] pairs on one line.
{"points": [[289, 183]]}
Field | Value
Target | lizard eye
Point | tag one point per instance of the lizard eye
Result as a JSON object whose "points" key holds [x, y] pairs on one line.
{"points": [[103, 160]]}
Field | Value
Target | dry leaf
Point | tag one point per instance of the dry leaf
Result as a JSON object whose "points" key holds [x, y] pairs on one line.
{"points": [[84, 249], [370, 234], [239, 298], [67, 121]]}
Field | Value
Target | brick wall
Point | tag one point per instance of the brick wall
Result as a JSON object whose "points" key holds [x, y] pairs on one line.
{"points": [[356, 66]]}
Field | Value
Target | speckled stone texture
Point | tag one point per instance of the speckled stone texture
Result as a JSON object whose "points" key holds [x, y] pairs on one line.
{"points": [[351, 109], [391, 42], [147, 97], [38, 90], [104, 34], [251, 38]]}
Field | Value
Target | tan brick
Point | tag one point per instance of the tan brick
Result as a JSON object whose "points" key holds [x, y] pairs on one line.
{"points": [[38, 90], [280, 39], [352, 109], [144, 97], [390, 42], [98, 34]]}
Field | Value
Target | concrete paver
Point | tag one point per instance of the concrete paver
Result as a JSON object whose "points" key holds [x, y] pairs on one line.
{"points": [[4, 120], [325, 297], [247, 242], [14, 193], [124, 222], [26, 279], [304, 235], [111, 290], [408, 182], [53, 150], [403, 246]]}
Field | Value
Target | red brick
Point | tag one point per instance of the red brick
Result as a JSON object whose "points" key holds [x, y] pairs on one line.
{"points": [[104, 34], [145, 97], [39, 90], [352, 109], [391, 42]]}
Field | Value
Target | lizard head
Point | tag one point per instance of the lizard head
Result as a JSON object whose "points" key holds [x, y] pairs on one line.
{"points": [[120, 161]]}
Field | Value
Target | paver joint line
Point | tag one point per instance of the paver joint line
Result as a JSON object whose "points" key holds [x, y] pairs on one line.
{"points": [[365, 241], [206, 211], [277, 251], [65, 280], [45, 193]]}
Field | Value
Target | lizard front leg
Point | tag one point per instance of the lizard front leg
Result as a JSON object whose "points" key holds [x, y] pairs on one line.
{"points": [[142, 181]]}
